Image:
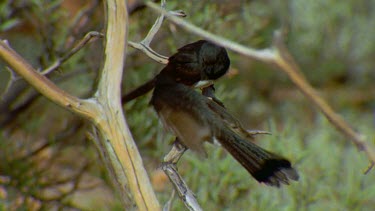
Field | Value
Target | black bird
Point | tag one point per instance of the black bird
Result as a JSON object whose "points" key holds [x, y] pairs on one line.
{"points": [[194, 62], [194, 118]]}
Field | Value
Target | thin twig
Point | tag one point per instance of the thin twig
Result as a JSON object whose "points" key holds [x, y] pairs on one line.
{"points": [[41, 83], [88, 37], [10, 82], [286, 63], [155, 28], [10, 113], [168, 204]]}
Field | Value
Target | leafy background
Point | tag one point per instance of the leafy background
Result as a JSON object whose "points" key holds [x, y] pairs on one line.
{"points": [[47, 161]]}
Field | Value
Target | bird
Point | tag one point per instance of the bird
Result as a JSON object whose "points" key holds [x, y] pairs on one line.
{"points": [[194, 118]]}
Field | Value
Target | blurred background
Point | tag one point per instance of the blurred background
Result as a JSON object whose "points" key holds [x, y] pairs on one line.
{"points": [[47, 162]]}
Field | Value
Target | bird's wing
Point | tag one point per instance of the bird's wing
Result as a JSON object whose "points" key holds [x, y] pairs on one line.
{"points": [[229, 120]]}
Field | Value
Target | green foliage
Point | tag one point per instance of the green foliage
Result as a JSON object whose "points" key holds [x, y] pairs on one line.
{"points": [[333, 37], [6, 20]]}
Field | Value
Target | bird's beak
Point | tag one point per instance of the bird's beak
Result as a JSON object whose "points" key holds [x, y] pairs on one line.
{"points": [[203, 84]]}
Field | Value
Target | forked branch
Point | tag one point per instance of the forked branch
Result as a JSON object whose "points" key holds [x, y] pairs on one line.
{"points": [[104, 109], [144, 45]]}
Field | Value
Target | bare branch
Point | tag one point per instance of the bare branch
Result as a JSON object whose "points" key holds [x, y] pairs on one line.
{"points": [[104, 111], [169, 167], [265, 55], [258, 132], [10, 113], [149, 52], [144, 45], [118, 143], [155, 28], [41, 83], [286, 63], [370, 166]]}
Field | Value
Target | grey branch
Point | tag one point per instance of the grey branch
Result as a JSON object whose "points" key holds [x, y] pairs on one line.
{"points": [[144, 45], [265, 55], [169, 167], [149, 52]]}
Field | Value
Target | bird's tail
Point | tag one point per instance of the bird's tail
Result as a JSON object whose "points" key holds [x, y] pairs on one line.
{"points": [[266, 167]]}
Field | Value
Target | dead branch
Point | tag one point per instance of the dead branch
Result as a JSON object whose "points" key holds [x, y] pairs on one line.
{"points": [[170, 169], [144, 45], [104, 110]]}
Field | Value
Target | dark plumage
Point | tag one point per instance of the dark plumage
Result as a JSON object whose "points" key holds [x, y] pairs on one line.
{"points": [[194, 118], [201, 60]]}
